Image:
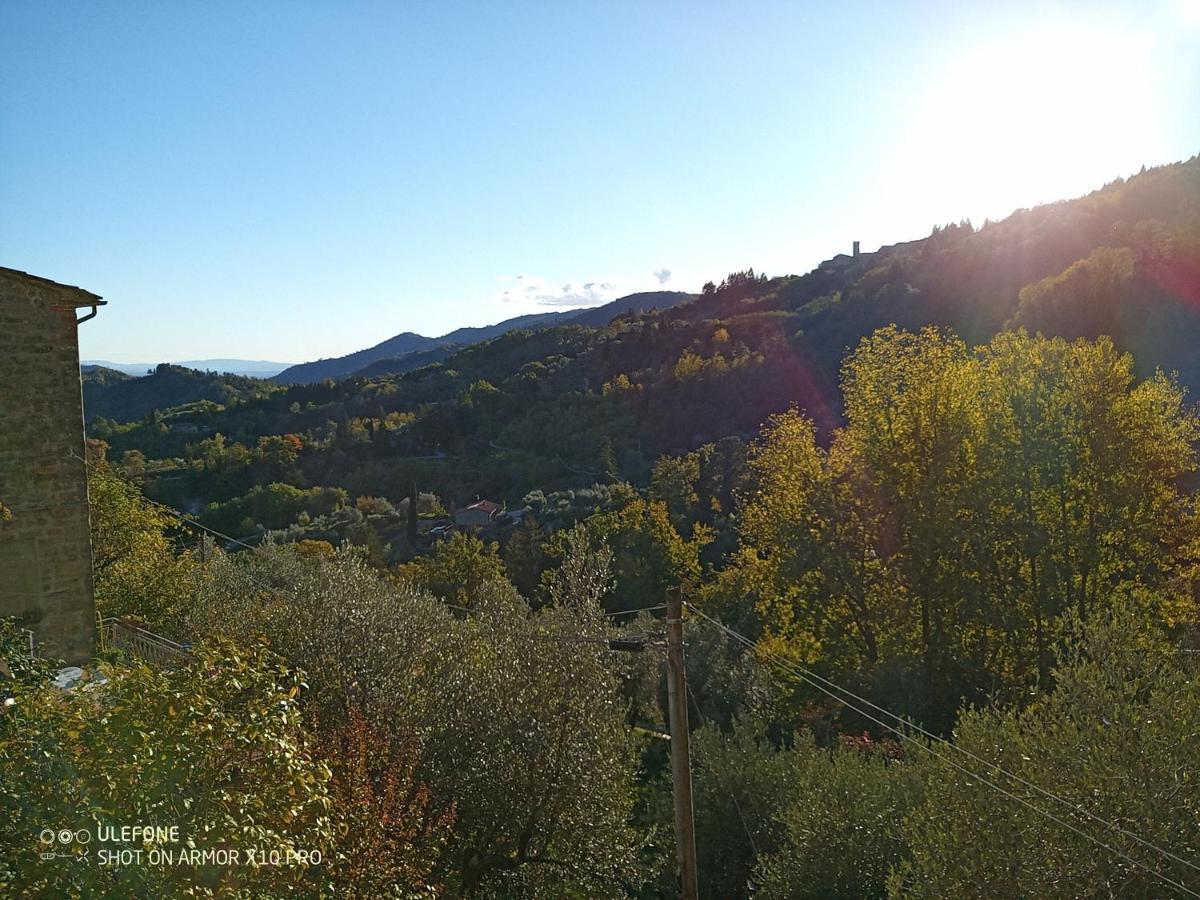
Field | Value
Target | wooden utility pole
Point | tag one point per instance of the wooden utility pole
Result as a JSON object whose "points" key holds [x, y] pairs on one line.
{"points": [[681, 764]]}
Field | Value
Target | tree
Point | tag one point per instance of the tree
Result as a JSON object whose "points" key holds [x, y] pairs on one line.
{"points": [[970, 503], [780, 815], [137, 568], [914, 425], [843, 824], [457, 569], [607, 459], [524, 557], [391, 831], [538, 751], [648, 555], [133, 465], [1113, 739], [522, 731], [412, 522], [673, 482], [1083, 301]]}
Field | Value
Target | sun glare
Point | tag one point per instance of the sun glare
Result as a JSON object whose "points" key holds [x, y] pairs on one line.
{"points": [[1033, 118]]}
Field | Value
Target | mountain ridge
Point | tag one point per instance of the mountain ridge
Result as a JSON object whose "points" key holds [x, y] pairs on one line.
{"points": [[388, 355], [254, 368]]}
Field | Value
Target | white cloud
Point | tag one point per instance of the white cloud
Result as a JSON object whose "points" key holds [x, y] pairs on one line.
{"points": [[593, 293], [532, 291]]}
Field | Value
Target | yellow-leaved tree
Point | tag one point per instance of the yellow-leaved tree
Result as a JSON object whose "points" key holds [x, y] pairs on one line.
{"points": [[973, 499]]}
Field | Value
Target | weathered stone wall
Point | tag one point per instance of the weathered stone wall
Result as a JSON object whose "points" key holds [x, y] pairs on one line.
{"points": [[45, 548]]}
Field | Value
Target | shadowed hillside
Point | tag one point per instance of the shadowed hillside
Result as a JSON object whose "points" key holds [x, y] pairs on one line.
{"points": [[560, 407], [113, 395], [393, 355]]}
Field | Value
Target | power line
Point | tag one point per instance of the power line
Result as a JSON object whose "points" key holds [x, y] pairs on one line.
{"points": [[251, 575], [804, 675], [995, 766], [176, 513], [631, 612], [820, 683], [800, 673]]}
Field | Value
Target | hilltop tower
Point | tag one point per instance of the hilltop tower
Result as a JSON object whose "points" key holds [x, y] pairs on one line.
{"points": [[856, 248], [45, 542]]}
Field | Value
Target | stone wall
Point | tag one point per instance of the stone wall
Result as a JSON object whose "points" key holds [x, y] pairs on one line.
{"points": [[45, 547]]}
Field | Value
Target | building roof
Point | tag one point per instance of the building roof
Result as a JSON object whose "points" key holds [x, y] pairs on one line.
{"points": [[86, 298], [486, 506]]}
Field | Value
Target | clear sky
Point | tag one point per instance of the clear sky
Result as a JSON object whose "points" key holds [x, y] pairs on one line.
{"points": [[296, 179]]}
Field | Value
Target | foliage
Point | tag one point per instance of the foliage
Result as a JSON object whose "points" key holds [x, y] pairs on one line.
{"points": [[215, 747], [128, 399], [457, 569], [1117, 738], [778, 815], [648, 555], [927, 538], [972, 500], [333, 616], [273, 505], [843, 829], [137, 568], [17, 665], [741, 784], [525, 557], [1085, 300], [749, 348], [390, 830], [522, 731]]}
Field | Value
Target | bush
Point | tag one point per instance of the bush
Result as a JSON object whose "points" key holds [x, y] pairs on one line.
{"points": [[1119, 737], [844, 829], [215, 748], [523, 732]]}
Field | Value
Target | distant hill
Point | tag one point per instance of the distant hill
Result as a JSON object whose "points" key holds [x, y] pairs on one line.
{"points": [[255, 368], [487, 332], [599, 316], [102, 376], [550, 408], [112, 394], [393, 355], [398, 365]]}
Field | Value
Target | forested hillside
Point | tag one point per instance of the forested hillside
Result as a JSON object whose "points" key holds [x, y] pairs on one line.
{"points": [[563, 407], [395, 354], [939, 569], [870, 577], [109, 394], [999, 546]]}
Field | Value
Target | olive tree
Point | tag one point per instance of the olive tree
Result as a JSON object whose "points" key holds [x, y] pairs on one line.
{"points": [[1117, 740], [518, 724]]}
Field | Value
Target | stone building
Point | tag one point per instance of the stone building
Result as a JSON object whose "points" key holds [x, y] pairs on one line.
{"points": [[478, 514], [45, 546]]}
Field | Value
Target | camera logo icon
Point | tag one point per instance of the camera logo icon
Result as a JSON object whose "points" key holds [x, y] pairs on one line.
{"points": [[64, 836]]}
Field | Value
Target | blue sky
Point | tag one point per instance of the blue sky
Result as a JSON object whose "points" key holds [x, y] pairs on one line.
{"points": [[293, 180]]}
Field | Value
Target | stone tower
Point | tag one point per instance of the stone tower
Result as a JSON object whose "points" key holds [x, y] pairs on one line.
{"points": [[45, 544]]}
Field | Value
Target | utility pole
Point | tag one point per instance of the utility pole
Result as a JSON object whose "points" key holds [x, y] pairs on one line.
{"points": [[681, 765]]}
